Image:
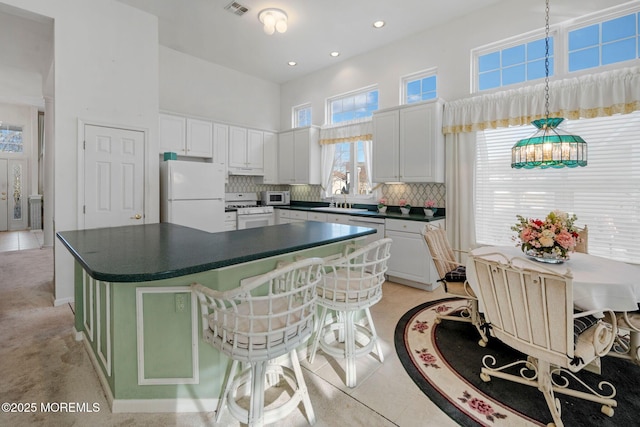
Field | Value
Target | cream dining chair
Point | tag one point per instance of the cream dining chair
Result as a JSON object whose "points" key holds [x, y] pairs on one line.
{"points": [[266, 317], [583, 240], [530, 308], [627, 344], [453, 277]]}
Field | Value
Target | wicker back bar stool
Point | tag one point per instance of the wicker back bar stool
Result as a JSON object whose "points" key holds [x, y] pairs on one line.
{"points": [[267, 317]]}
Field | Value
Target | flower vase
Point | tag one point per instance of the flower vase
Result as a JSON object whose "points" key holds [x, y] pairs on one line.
{"points": [[429, 212], [382, 209], [405, 211], [546, 257]]}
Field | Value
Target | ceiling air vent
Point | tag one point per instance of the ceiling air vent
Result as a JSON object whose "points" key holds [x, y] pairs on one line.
{"points": [[236, 8]]}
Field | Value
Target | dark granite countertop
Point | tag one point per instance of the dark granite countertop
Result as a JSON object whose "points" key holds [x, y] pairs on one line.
{"points": [[416, 214], [141, 253]]}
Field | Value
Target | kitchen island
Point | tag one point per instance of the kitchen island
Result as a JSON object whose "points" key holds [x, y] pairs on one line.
{"points": [[136, 314]]}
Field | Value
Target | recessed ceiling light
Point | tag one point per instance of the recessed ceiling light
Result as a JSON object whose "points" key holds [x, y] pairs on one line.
{"points": [[378, 24], [334, 54], [292, 63]]}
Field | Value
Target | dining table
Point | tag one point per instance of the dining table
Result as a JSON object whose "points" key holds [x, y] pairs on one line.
{"points": [[598, 283]]}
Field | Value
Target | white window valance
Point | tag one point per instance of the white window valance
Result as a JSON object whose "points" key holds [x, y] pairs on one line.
{"points": [[594, 95], [352, 131]]}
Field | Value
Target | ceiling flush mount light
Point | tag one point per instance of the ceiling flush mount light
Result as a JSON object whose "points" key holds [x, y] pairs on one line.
{"points": [[292, 63], [334, 54], [378, 24], [549, 147], [273, 20]]}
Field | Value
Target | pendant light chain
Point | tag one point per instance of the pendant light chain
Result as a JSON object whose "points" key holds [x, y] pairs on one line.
{"points": [[548, 147], [546, 63]]}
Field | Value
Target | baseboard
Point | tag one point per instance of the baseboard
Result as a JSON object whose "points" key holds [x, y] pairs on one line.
{"points": [[424, 286], [63, 301]]}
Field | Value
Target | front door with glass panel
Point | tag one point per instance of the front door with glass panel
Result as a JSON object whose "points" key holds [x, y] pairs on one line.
{"points": [[13, 202]]}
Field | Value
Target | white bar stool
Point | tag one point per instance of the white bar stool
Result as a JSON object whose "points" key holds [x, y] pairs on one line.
{"points": [[351, 283], [268, 316]]}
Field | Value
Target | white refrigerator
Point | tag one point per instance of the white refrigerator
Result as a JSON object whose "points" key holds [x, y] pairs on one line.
{"points": [[192, 194]]}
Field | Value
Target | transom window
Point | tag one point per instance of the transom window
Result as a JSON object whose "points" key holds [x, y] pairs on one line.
{"points": [[420, 86], [608, 42], [11, 139], [514, 64], [596, 40], [302, 116], [356, 105]]}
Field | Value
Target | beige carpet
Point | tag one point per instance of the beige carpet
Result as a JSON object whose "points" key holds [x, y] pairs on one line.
{"points": [[41, 363]]}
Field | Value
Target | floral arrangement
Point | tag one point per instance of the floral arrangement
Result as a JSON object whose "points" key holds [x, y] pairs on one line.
{"points": [[382, 203], [552, 237], [429, 208], [403, 204]]}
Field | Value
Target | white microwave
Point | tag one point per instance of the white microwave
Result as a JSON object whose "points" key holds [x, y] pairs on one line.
{"points": [[275, 198]]}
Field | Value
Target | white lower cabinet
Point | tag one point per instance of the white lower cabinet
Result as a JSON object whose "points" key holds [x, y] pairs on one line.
{"points": [[337, 218], [285, 216], [410, 263], [317, 216], [230, 221]]}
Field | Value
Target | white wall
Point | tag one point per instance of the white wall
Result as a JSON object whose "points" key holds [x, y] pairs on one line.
{"points": [[19, 86], [106, 71], [446, 47], [191, 86]]}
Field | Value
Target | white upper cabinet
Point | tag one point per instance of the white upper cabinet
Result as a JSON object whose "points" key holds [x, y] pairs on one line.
{"points": [[199, 138], [408, 145], [270, 158], [221, 145], [299, 156], [386, 144], [186, 136], [246, 151]]}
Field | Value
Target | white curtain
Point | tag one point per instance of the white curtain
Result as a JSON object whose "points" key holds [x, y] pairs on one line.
{"points": [[367, 146], [595, 95], [352, 131], [460, 166], [327, 152]]}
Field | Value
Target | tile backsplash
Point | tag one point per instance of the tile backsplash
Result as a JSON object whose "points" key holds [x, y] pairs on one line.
{"points": [[414, 193]]}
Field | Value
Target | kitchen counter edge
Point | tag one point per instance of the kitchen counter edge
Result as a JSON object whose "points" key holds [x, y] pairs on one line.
{"points": [[370, 214]]}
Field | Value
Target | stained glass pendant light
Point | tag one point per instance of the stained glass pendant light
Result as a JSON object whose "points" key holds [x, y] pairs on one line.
{"points": [[549, 147]]}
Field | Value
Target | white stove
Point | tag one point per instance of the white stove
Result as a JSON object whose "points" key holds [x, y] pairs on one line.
{"points": [[249, 213]]}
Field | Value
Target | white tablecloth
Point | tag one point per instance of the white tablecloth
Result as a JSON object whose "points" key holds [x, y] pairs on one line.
{"points": [[598, 283]]}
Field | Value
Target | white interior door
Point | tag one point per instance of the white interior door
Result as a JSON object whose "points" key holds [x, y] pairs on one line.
{"points": [[4, 190], [114, 177]]}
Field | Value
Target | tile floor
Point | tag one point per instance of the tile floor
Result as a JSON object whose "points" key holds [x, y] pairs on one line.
{"points": [[386, 388], [384, 396], [20, 240]]}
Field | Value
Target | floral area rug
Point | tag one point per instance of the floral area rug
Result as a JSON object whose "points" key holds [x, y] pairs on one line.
{"points": [[444, 360]]}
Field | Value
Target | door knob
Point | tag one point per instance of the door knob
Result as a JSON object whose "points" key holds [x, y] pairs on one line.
{"points": [[136, 216]]}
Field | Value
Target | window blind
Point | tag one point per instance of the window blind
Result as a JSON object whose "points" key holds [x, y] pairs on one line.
{"points": [[605, 195]]}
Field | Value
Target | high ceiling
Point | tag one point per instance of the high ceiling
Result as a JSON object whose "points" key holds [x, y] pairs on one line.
{"points": [[204, 29]]}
